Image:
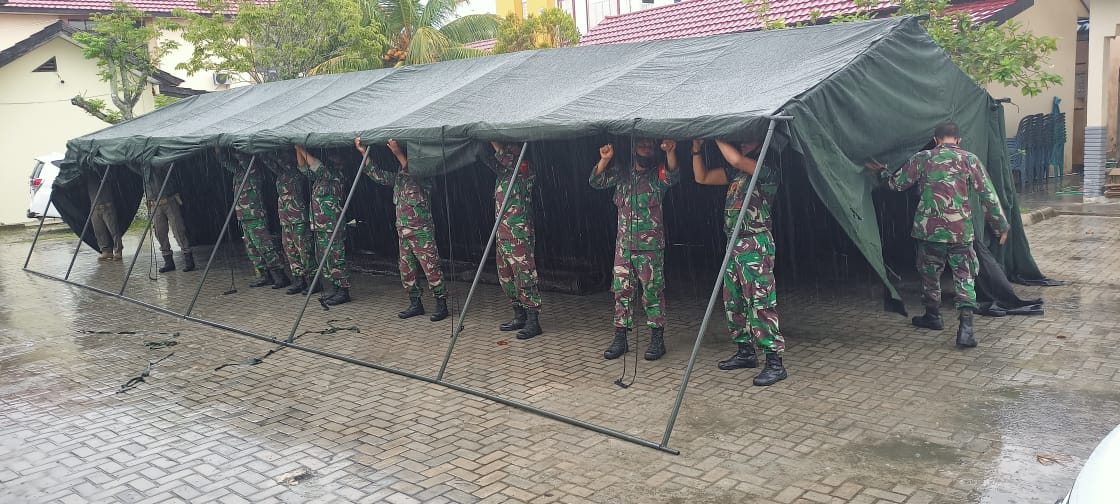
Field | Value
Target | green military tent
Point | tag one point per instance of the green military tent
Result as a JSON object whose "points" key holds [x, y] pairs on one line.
{"points": [[856, 91]]}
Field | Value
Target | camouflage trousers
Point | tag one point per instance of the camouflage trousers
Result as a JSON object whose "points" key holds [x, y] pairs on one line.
{"points": [[517, 266], [325, 212], [258, 245], [296, 238], [418, 252], [103, 218], [962, 260], [636, 270], [168, 215], [749, 297]]}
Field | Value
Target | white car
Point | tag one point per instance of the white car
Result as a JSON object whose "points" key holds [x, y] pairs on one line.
{"points": [[1099, 481], [42, 178]]}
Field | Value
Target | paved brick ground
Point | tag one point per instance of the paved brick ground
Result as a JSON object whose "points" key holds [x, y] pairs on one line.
{"points": [[873, 412]]}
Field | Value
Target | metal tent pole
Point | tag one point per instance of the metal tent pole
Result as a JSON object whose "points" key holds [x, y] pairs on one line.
{"points": [[330, 242], [719, 283], [482, 263], [152, 205], [221, 236], [42, 219], [85, 226]]}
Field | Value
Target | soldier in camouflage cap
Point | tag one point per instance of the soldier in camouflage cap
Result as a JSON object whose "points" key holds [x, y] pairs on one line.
{"points": [[295, 230], [415, 231], [516, 239], [251, 213], [327, 195], [749, 296], [947, 176], [640, 243]]}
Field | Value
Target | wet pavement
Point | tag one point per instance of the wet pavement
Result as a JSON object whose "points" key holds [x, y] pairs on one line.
{"points": [[873, 411]]}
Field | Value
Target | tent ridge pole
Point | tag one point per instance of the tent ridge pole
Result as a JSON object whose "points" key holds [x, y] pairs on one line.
{"points": [[221, 237], [85, 227], [330, 242], [151, 206], [482, 263], [38, 230], [717, 288]]}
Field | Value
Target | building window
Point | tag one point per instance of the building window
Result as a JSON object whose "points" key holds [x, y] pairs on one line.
{"points": [[48, 66]]}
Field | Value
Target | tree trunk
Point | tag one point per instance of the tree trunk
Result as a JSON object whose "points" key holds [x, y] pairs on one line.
{"points": [[85, 105]]}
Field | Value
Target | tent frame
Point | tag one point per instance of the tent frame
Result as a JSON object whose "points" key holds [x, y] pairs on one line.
{"points": [[147, 229], [439, 379], [85, 227]]}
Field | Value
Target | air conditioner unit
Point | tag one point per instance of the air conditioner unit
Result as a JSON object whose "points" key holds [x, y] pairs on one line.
{"points": [[221, 78]]}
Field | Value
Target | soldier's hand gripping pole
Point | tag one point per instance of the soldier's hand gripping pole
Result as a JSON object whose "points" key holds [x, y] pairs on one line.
{"points": [[719, 280], [85, 227], [330, 243], [221, 235], [482, 262], [152, 205]]}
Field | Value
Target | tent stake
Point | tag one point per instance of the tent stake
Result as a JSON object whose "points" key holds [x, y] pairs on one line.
{"points": [[718, 287], [42, 219], [85, 227], [140, 246], [221, 236], [399, 372], [330, 242], [482, 263]]}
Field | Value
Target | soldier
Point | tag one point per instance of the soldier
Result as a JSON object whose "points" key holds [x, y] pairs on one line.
{"points": [[415, 231], [103, 217], [254, 220], [291, 206], [640, 244], [326, 208], [517, 268], [167, 212], [947, 176], [749, 297]]}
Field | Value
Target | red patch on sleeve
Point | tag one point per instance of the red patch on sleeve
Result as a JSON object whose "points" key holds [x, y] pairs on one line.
{"points": [[524, 167], [661, 173]]}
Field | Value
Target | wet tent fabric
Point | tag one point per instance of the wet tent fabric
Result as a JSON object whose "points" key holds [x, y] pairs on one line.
{"points": [[856, 91]]}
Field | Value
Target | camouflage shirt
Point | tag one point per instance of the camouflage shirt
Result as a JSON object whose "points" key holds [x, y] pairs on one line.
{"points": [[944, 175], [326, 180], [759, 218], [249, 205], [411, 197], [520, 209], [290, 192], [638, 199]]}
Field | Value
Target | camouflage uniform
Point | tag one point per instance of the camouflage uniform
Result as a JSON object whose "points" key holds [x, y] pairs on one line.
{"points": [[640, 243], [250, 212], [167, 212], [516, 239], [416, 233], [103, 217], [943, 221], [749, 297], [326, 208], [291, 206]]}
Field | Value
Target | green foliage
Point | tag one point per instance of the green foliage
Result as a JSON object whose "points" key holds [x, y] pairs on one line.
{"points": [[128, 52], [553, 28], [164, 100], [281, 40], [97, 108], [1003, 53], [428, 32]]}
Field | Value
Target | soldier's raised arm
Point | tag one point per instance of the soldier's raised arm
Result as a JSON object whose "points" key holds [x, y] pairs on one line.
{"points": [[600, 177], [700, 170]]}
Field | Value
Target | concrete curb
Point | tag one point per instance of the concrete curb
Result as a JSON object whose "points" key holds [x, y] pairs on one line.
{"points": [[1039, 215]]}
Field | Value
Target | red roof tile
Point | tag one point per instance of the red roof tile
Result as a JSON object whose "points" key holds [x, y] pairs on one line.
{"points": [[696, 18], [151, 6], [485, 45]]}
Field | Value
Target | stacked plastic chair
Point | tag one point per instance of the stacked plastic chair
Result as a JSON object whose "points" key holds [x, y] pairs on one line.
{"points": [[1058, 151]]}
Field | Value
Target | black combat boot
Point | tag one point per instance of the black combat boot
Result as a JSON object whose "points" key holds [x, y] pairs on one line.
{"points": [[517, 322], [415, 307], [168, 264], [327, 289], [300, 285], [745, 357], [773, 373], [265, 279], [441, 309], [280, 278], [931, 320], [656, 343], [188, 262], [341, 295], [318, 286], [619, 345], [965, 339], [532, 325]]}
